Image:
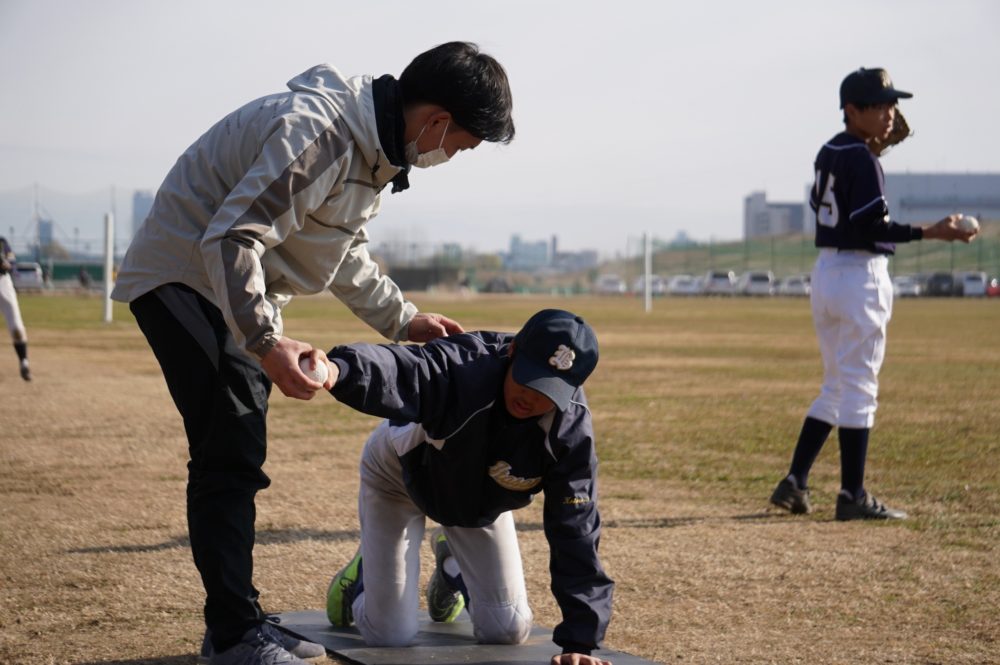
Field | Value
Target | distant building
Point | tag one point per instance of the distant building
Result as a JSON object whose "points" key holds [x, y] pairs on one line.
{"points": [[401, 250], [526, 256], [762, 218], [45, 233], [927, 197], [142, 203], [544, 256], [681, 240], [575, 261]]}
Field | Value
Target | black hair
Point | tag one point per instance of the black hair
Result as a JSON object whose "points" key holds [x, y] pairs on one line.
{"points": [[860, 107], [470, 85]]}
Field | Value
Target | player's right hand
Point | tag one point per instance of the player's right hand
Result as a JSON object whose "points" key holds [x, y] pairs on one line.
{"points": [[947, 229], [281, 364]]}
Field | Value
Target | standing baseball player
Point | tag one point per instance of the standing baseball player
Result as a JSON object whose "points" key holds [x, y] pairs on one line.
{"points": [[851, 290], [11, 310], [273, 202], [478, 424]]}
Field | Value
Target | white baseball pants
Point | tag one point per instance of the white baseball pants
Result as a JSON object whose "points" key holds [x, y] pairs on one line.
{"points": [[851, 305], [11, 311], [392, 533]]}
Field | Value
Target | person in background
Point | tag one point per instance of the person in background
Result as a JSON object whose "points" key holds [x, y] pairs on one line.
{"points": [[11, 309]]}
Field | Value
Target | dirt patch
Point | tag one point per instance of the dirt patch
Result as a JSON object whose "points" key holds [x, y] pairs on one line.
{"points": [[96, 566]]}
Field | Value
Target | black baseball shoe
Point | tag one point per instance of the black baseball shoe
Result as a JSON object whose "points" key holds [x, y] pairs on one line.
{"points": [[865, 507], [787, 495], [25, 370]]}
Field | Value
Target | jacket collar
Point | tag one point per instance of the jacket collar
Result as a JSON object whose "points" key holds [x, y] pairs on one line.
{"points": [[388, 100]]}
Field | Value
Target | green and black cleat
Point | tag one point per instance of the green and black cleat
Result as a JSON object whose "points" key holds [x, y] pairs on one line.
{"points": [[444, 601]]}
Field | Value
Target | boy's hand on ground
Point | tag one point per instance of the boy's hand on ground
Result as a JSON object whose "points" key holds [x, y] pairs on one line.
{"points": [[281, 364], [947, 229], [577, 659], [425, 327]]}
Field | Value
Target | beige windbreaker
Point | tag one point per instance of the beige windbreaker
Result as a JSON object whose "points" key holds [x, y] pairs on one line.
{"points": [[272, 202]]}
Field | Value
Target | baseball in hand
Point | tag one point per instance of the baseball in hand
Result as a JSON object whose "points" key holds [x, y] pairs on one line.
{"points": [[318, 375], [967, 223]]}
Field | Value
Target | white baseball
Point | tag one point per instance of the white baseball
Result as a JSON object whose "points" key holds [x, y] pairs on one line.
{"points": [[967, 223], [318, 375]]}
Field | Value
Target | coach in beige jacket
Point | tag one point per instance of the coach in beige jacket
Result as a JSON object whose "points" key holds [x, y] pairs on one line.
{"points": [[269, 203]]}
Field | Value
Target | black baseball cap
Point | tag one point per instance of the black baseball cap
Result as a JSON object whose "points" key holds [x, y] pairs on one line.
{"points": [[554, 353], [869, 86]]}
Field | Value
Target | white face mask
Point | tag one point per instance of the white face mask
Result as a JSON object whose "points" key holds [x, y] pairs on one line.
{"points": [[423, 160]]}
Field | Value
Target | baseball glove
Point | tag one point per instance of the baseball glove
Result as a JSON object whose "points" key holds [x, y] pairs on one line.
{"points": [[900, 132]]}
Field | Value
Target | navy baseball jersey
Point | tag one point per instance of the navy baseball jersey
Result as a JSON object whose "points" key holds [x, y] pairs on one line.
{"points": [[469, 460], [848, 198]]}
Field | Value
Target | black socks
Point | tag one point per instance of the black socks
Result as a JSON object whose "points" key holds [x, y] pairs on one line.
{"points": [[853, 453], [811, 440]]}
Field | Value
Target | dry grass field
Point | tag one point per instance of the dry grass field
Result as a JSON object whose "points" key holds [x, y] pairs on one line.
{"points": [[696, 405]]}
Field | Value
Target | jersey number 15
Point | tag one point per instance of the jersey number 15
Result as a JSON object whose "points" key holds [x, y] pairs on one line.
{"points": [[826, 205]]}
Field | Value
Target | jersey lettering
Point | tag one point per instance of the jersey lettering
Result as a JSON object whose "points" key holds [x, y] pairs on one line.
{"points": [[826, 211]]}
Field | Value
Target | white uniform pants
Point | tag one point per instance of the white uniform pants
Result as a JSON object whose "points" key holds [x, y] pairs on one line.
{"points": [[11, 312], [392, 533], [851, 305]]}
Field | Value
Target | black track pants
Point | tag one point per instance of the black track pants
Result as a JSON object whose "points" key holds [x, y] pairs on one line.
{"points": [[222, 395]]}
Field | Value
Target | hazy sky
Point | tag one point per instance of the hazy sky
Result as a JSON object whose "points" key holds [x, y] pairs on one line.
{"points": [[631, 116]]}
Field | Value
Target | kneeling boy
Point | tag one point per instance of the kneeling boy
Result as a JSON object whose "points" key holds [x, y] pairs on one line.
{"points": [[477, 424]]}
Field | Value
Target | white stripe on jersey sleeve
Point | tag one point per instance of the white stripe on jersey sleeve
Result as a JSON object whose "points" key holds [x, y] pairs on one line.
{"points": [[845, 147], [866, 206]]}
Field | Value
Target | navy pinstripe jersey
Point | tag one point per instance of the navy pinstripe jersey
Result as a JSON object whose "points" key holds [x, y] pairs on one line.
{"points": [[848, 198]]}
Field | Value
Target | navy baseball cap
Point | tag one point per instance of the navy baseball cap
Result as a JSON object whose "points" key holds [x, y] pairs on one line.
{"points": [[869, 86], [554, 353]]}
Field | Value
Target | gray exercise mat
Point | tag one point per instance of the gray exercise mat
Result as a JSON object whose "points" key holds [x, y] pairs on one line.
{"points": [[436, 644]]}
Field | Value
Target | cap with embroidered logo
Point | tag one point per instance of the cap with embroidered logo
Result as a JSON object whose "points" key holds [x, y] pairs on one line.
{"points": [[554, 353], [864, 87]]}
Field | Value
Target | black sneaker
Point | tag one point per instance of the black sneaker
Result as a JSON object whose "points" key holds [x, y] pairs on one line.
{"points": [[255, 648], [344, 588], [444, 599], [25, 370], [290, 643], [866, 507], [787, 495]]}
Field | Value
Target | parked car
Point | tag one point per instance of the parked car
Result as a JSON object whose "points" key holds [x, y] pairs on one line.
{"points": [[973, 284], [27, 275], [756, 283], [657, 285], [683, 285], [941, 284], [993, 288], [796, 285], [609, 285], [906, 286], [719, 282]]}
